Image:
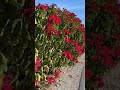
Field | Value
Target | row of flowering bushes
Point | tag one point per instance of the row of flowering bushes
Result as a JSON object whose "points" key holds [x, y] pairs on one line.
{"points": [[59, 40], [102, 41], [16, 45]]}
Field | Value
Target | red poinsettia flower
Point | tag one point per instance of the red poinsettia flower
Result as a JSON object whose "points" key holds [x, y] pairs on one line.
{"points": [[79, 49], [57, 33], [75, 42], [77, 20], [58, 70], [68, 55], [50, 80], [57, 73], [38, 63], [67, 40], [66, 31], [54, 18], [50, 28], [44, 7], [75, 29], [82, 28]]}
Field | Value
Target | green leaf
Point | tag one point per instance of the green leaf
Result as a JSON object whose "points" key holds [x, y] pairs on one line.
{"points": [[15, 23], [4, 60], [2, 32]]}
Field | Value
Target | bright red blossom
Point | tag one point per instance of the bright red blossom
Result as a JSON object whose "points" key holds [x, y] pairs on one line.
{"points": [[57, 33], [57, 73], [75, 42], [58, 70], [68, 55], [50, 28], [66, 31], [67, 40], [50, 80], [44, 7], [82, 28], [79, 49], [38, 63], [75, 29], [77, 20], [54, 18]]}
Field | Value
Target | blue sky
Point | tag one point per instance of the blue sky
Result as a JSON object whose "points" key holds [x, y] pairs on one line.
{"points": [[76, 6]]}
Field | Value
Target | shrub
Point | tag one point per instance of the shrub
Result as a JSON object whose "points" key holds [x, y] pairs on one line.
{"points": [[16, 46], [102, 41], [59, 40]]}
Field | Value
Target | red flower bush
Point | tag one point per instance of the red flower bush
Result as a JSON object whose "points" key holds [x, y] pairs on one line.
{"points": [[59, 41], [17, 59], [102, 41]]}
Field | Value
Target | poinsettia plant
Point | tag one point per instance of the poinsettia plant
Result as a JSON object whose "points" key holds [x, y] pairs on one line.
{"points": [[16, 45], [102, 41], [59, 40]]}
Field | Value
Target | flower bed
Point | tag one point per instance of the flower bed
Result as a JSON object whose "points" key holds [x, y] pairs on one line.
{"points": [[57, 42], [59, 39], [16, 45], [102, 41]]}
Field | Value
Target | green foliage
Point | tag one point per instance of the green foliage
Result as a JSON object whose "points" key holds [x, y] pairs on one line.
{"points": [[49, 49], [16, 44]]}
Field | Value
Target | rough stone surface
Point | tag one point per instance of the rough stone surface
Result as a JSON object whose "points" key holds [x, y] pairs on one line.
{"points": [[70, 78]]}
